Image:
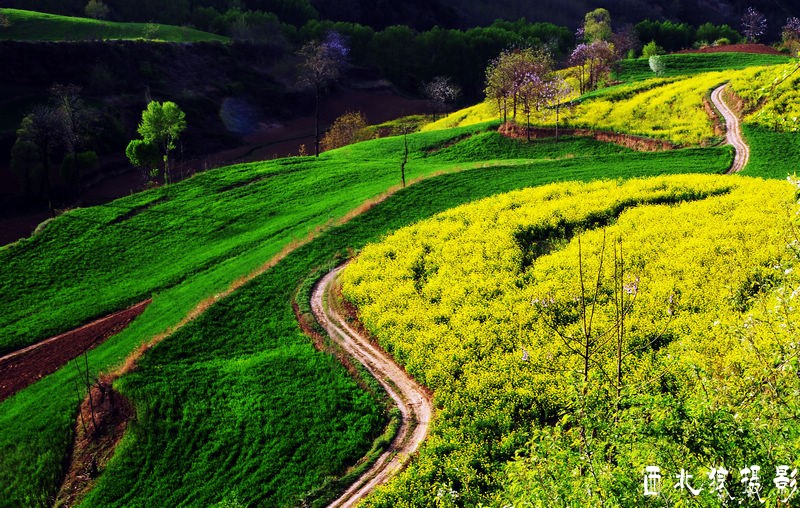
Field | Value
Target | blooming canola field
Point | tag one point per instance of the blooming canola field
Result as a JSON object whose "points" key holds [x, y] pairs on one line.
{"points": [[574, 334]]}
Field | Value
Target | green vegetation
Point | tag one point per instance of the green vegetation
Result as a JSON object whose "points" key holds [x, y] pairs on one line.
{"points": [[772, 154], [689, 64], [39, 26], [510, 308], [227, 368]]}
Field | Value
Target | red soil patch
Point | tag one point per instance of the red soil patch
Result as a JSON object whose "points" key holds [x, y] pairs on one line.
{"points": [[760, 49], [103, 418], [26, 366], [638, 143]]}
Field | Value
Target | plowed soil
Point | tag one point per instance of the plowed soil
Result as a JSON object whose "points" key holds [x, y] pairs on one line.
{"points": [[760, 49], [26, 366]]}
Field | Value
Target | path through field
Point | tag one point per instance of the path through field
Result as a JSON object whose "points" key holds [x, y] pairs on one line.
{"points": [[734, 131], [410, 397]]}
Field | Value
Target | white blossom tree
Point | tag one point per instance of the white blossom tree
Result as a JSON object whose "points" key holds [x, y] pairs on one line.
{"points": [[754, 24]]}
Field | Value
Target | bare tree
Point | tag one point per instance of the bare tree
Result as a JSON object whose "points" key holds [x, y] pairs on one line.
{"points": [[38, 139], [321, 65], [754, 24], [75, 119]]}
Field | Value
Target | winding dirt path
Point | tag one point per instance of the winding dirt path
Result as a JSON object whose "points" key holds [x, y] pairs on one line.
{"points": [[411, 398], [734, 131]]}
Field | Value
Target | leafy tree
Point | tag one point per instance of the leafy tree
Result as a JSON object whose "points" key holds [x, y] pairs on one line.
{"points": [[144, 156], [754, 24], [97, 9], [711, 33], [652, 49], [597, 26], [321, 65], [441, 91], [4, 21], [160, 127], [347, 129]]}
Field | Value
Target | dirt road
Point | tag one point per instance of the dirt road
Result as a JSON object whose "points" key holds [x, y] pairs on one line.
{"points": [[734, 135], [410, 397]]}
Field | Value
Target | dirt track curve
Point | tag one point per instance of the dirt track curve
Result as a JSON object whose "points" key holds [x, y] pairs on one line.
{"points": [[410, 397], [734, 131]]}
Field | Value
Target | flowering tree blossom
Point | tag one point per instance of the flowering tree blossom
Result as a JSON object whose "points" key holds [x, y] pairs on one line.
{"points": [[593, 62], [790, 34], [321, 64], [754, 24], [521, 77], [441, 91]]}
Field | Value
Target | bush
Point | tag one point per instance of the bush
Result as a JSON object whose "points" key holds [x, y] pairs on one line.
{"points": [[347, 129], [652, 49], [657, 64]]}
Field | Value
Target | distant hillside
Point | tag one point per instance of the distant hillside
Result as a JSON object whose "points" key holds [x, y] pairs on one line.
{"points": [[424, 14], [37, 26]]}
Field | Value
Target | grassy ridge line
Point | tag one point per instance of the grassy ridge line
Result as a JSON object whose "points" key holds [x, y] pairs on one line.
{"points": [[689, 64], [40, 26], [170, 224], [90, 262]]}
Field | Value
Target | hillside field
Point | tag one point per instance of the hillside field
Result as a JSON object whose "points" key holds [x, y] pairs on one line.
{"points": [[574, 334], [118, 252], [39, 26], [481, 277]]}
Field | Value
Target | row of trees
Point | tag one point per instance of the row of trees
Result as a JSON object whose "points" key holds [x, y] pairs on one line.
{"points": [[59, 130], [524, 81]]}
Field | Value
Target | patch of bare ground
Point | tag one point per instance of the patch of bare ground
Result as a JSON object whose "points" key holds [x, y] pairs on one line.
{"points": [[26, 366], [760, 49], [102, 419], [638, 143]]}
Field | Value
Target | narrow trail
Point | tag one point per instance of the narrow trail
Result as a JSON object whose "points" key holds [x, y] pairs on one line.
{"points": [[411, 398], [734, 131]]}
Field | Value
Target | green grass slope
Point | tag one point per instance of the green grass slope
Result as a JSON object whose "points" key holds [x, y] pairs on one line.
{"points": [[40, 26], [212, 400], [689, 64]]}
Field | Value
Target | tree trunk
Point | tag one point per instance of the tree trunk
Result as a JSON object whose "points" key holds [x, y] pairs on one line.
{"points": [[316, 120], [557, 105]]}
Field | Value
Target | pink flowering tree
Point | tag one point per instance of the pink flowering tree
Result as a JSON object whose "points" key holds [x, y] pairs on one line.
{"points": [[593, 62], [754, 24]]}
